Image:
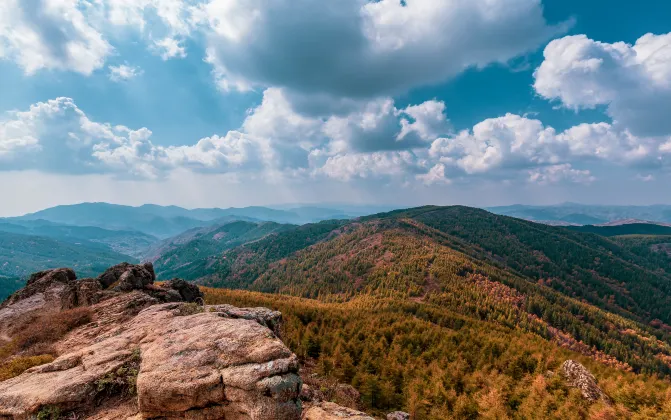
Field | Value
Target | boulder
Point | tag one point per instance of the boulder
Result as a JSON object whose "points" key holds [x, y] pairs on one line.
{"points": [[398, 415], [264, 316], [576, 375], [181, 362], [331, 411], [188, 292], [89, 291], [112, 274]]}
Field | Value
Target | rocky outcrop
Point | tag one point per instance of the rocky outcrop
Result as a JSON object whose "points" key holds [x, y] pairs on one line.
{"points": [[171, 360], [398, 415], [264, 316], [576, 375], [45, 292], [188, 292], [332, 411]]}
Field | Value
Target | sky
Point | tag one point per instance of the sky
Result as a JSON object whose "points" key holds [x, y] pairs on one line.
{"points": [[205, 103]]}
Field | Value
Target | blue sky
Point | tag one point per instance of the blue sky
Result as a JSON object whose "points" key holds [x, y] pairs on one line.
{"points": [[231, 103]]}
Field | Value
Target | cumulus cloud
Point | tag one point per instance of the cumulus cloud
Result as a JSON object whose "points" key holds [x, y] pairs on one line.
{"points": [[557, 173], [514, 143], [123, 72], [57, 136], [632, 81], [378, 141], [361, 49], [50, 34]]}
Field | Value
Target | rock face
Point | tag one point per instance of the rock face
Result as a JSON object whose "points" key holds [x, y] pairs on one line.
{"points": [[331, 411], [161, 360], [576, 375], [264, 316], [45, 292]]}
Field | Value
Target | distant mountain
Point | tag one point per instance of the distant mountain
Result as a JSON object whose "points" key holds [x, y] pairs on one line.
{"points": [[126, 242], [621, 222], [585, 214], [172, 257], [167, 221], [625, 229], [21, 255]]}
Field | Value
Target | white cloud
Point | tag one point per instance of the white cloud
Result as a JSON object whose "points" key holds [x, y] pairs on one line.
{"points": [[123, 72], [349, 166], [376, 141], [169, 48], [513, 143], [632, 81], [436, 175], [360, 49], [558, 173], [57, 136], [50, 34]]}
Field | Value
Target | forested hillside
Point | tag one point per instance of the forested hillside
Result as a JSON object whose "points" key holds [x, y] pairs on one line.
{"points": [[175, 255], [21, 255], [582, 291]]}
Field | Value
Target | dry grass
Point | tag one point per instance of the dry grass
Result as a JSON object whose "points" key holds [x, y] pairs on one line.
{"points": [[18, 365], [33, 339], [37, 335]]}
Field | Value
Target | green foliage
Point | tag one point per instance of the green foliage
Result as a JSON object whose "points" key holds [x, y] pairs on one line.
{"points": [[49, 412], [437, 364], [180, 252], [123, 380], [22, 255], [190, 308]]}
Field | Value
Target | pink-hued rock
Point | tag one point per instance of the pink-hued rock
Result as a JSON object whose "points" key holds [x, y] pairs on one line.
{"points": [[185, 362], [332, 411]]}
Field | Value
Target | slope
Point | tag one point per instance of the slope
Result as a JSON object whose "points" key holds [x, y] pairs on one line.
{"points": [[21, 255], [123, 241], [476, 264], [173, 256]]}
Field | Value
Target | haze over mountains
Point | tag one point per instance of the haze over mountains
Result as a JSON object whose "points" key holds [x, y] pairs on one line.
{"points": [[179, 239], [583, 214]]}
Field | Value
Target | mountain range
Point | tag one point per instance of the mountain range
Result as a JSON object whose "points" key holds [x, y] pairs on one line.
{"points": [[585, 214], [440, 311]]}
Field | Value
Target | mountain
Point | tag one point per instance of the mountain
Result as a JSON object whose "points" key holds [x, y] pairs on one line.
{"points": [[21, 255], [624, 229], [566, 286], [174, 255], [167, 221], [131, 243], [443, 312], [585, 214]]}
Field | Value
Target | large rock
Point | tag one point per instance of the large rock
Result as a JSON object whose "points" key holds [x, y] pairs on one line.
{"points": [[576, 375], [185, 362], [126, 277], [45, 292], [332, 411], [189, 292], [264, 316]]}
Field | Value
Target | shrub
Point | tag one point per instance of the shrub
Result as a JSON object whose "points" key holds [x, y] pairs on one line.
{"points": [[18, 365], [39, 333]]}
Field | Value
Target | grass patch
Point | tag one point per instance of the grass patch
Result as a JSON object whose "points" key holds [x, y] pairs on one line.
{"points": [[38, 334], [122, 381], [18, 365], [189, 309]]}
